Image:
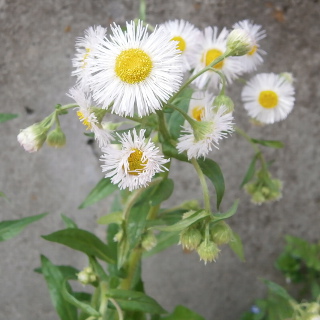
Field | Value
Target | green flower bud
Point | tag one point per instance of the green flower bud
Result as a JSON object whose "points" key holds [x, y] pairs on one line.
{"points": [[221, 233], [118, 236], [191, 205], [287, 76], [87, 276], [239, 43], [190, 238], [208, 251], [56, 138], [223, 100], [148, 241]]}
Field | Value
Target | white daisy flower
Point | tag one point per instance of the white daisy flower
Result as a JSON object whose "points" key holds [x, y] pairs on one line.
{"points": [[213, 46], [135, 164], [133, 68], [85, 47], [268, 97], [187, 37], [253, 58], [90, 116], [198, 102], [213, 127]]}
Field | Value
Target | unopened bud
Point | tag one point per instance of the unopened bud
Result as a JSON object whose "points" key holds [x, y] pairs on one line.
{"points": [[221, 233], [239, 43], [118, 236], [190, 238], [191, 205], [287, 76], [87, 276], [56, 138], [208, 251], [223, 100], [148, 241]]}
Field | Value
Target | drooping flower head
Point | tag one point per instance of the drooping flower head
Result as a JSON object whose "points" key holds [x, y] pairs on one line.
{"points": [[134, 165], [85, 47], [199, 140], [90, 116], [268, 97], [253, 58], [136, 69], [214, 45], [188, 40]]}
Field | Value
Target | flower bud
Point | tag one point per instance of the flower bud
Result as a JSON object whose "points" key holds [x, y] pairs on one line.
{"points": [[86, 276], [118, 236], [287, 76], [56, 138], [191, 205], [313, 308], [148, 241], [208, 251], [239, 43], [33, 137], [223, 100], [221, 233], [190, 238]]}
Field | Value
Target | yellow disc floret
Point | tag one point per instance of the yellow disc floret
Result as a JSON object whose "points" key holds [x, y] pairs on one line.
{"points": [[84, 120], [133, 65], [85, 57], [211, 55], [268, 99], [252, 51], [136, 164], [181, 43], [197, 113]]}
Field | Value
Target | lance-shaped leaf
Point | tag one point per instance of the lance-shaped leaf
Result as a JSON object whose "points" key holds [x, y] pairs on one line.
{"points": [[184, 223], [222, 216], [55, 282], [130, 300], [163, 191], [114, 217], [83, 241], [103, 189], [7, 116], [183, 313], [68, 272], [212, 170], [251, 170], [69, 223], [11, 228], [74, 301], [269, 143]]}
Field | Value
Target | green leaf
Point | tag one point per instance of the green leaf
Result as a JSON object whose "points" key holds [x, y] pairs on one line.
{"points": [[236, 246], [79, 304], [114, 217], [69, 223], [277, 290], [184, 223], [183, 313], [83, 241], [68, 272], [175, 119], [55, 280], [228, 214], [7, 116], [163, 191], [171, 152], [164, 240], [130, 300], [269, 143], [212, 170], [251, 170], [11, 228], [103, 189]]}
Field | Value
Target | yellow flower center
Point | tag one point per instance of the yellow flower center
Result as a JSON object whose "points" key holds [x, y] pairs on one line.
{"points": [[253, 50], [197, 113], [133, 65], [84, 120], [268, 99], [85, 57], [136, 164], [181, 43], [211, 55]]}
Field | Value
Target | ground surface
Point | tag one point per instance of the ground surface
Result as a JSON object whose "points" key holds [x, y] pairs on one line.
{"points": [[37, 42]]}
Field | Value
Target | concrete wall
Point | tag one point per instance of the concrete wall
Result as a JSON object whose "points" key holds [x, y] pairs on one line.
{"points": [[37, 41]]}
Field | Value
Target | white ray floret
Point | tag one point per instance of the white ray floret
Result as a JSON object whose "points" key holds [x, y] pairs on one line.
{"points": [[135, 69], [188, 40], [88, 116], [214, 44], [198, 102], [217, 125], [134, 165], [253, 58], [85, 49], [268, 97]]}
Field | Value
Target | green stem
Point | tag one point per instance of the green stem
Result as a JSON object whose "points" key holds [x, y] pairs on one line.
{"points": [[120, 313], [184, 114], [205, 190], [68, 106], [163, 126], [223, 80], [103, 300]]}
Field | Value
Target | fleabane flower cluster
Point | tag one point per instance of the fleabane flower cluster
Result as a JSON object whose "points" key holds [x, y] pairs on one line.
{"points": [[134, 165]]}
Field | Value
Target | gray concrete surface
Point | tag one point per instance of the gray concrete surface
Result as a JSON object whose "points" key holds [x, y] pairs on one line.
{"points": [[37, 42]]}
